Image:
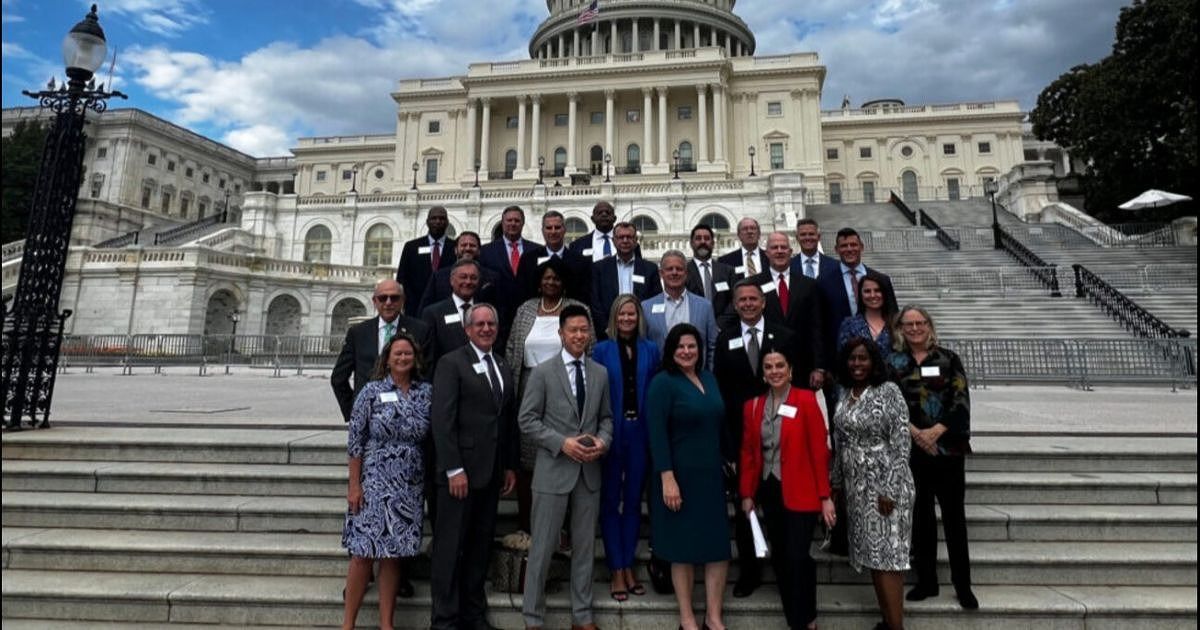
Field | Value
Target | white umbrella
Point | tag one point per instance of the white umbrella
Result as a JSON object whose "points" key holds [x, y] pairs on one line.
{"points": [[1153, 199]]}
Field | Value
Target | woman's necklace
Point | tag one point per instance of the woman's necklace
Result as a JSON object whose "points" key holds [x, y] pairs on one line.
{"points": [[551, 310], [854, 397]]}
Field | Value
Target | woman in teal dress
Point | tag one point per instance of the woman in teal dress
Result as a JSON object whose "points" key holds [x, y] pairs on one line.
{"points": [[689, 524]]}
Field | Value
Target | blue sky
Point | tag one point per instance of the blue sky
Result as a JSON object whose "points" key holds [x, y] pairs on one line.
{"points": [[257, 74]]}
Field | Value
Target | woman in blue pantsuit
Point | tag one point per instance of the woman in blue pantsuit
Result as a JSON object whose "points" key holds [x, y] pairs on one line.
{"points": [[631, 361]]}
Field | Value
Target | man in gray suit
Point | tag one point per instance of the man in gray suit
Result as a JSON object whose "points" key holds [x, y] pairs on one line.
{"points": [[566, 412], [676, 305]]}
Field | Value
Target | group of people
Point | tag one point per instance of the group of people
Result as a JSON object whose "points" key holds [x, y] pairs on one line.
{"points": [[587, 379]]}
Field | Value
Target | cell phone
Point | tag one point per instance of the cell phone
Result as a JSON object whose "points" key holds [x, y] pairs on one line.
{"points": [[587, 441]]}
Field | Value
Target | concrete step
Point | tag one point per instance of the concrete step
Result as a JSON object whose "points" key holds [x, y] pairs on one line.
{"points": [[316, 601], [277, 480], [992, 562]]}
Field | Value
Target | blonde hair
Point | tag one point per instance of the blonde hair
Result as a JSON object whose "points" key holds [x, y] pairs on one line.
{"points": [[618, 302], [898, 340]]}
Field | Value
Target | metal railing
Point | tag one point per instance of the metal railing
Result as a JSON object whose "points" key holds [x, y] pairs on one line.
{"points": [[128, 238], [914, 239], [1125, 311], [188, 230], [895, 200], [943, 236], [973, 281], [1044, 271], [12, 251], [1149, 278], [276, 352]]}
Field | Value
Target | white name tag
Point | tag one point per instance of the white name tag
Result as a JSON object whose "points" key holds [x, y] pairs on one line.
{"points": [[480, 368], [930, 371], [424, 250], [735, 343], [542, 259], [787, 411], [658, 308], [720, 286], [388, 397], [588, 251], [740, 269], [639, 279], [767, 287], [453, 318]]}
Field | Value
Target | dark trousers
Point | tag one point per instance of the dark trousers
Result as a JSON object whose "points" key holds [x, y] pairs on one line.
{"points": [[789, 535], [749, 565], [839, 535], [462, 542], [941, 478]]}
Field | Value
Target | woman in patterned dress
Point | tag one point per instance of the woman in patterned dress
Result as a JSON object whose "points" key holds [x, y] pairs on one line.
{"points": [[386, 489], [871, 468], [876, 314]]}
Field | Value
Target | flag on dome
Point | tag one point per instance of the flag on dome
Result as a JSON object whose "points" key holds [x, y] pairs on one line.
{"points": [[589, 14]]}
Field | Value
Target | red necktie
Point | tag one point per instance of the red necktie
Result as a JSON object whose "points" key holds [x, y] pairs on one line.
{"points": [[435, 256], [783, 293], [514, 257]]}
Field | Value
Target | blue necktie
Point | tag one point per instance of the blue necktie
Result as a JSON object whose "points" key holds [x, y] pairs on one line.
{"points": [[607, 245]]}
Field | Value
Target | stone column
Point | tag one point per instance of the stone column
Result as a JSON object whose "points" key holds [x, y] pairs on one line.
{"points": [[484, 135], [678, 36], [614, 42], [712, 36], [664, 150], [609, 128], [647, 126], [695, 34], [595, 40], [535, 145], [718, 122], [472, 123], [739, 48], [521, 133], [654, 44], [702, 124], [562, 45], [572, 107], [575, 42], [728, 45], [633, 39]]}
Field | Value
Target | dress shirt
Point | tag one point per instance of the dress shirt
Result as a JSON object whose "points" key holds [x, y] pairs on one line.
{"points": [[677, 310], [707, 281], [598, 244], [815, 260], [569, 362], [458, 305], [749, 255], [625, 275], [746, 331], [383, 332], [859, 272], [552, 254]]}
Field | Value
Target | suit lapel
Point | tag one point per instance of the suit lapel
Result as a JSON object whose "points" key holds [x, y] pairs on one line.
{"points": [[560, 371]]}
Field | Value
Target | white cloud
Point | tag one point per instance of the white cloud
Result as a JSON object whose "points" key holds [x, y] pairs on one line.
{"points": [[7, 12], [169, 18], [260, 140]]}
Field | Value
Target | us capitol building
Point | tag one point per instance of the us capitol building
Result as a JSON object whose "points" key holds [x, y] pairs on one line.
{"points": [[659, 106]]}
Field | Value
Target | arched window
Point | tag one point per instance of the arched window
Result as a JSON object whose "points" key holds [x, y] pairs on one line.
{"points": [[908, 182], [378, 248], [633, 159], [318, 244], [560, 161], [596, 157], [575, 227], [685, 156], [644, 224], [716, 221], [510, 163]]}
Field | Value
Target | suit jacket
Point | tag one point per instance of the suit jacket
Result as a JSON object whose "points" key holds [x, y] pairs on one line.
{"points": [[577, 287], [606, 287], [470, 429], [826, 265], [722, 302], [415, 269], [494, 256], [438, 288], [734, 260], [584, 243], [804, 318], [837, 303], [738, 380], [700, 315], [360, 352], [550, 414], [607, 353], [446, 335], [803, 452]]}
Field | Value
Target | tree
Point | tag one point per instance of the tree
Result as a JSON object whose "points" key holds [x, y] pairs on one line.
{"points": [[1132, 117], [18, 173]]}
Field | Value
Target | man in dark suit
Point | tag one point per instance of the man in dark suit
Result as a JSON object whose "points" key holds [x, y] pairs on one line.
{"points": [[423, 256], [554, 231], [810, 261], [445, 319], [474, 430], [840, 288], [710, 278], [598, 244], [748, 259], [466, 247], [796, 302], [504, 257], [737, 364], [622, 273]]}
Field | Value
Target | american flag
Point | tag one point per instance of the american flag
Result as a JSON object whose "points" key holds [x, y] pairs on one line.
{"points": [[589, 14]]}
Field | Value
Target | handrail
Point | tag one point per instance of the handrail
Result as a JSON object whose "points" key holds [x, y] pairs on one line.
{"points": [[1128, 313], [187, 229], [943, 236], [902, 207], [13, 250], [1044, 271], [128, 238]]}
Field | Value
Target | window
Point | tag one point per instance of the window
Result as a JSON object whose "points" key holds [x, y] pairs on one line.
{"points": [[318, 244], [101, 153], [510, 163], [868, 192], [511, 122], [434, 127], [171, 165], [717, 222], [560, 162], [633, 115], [774, 108], [146, 192], [378, 249], [952, 189], [864, 153], [683, 112], [378, 173], [237, 189], [835, 192], [985, 147], [184, 202], [685, 156], [201, 209], [320, 176], [204, 178], [597, 118], [906, 151], [97, 185], [151, 159], [644, 225], [431, 168], [776, 156], [561, 120], [189, 172], [831, 154], [166, 202], [949, 149], [221, 184], [633, 159], [575, 227]]}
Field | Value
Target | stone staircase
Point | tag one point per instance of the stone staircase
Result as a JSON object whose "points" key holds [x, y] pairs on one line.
{"points": [[965, 212], [148, 527], [860, 216]]}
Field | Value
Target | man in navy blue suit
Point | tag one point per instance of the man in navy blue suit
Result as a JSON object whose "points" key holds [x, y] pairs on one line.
{"points": [[811, 261], [622, 273], [422, 257], [598, 244], [841, 283], [504, 257]]}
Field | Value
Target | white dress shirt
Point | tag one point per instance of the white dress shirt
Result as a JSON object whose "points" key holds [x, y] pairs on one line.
{"points": [[625, 275], [598, 244], [859, 272], [816, 264], [382, 333], [568, 361]]}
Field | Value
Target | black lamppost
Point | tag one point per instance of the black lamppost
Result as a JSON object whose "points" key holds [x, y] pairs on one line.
{"points": [[416, 167], [541, 165], [33, 328], [752, 173], [991, 188], [675, 156], [354, 179], [477, 165], [234, 317], [607, 161], [225, 213]]}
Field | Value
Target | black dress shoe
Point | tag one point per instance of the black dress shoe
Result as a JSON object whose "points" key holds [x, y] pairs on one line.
{"points": [[919, 593], [746, 587], [967, 599], [404, 588]]}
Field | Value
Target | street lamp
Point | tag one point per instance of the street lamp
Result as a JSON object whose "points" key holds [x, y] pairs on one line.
{"points": [[415, 167], [541, 165], [675, 156], [234, 317], [991, 187], [752, 173], [607, 161], [225, 213], [354, 179], [477, 165], [33, 327]]}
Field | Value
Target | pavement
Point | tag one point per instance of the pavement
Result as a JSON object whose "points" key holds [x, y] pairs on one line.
{"points": [[253, 398]]}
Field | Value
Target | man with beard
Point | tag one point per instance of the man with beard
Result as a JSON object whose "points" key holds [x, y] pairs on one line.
{"points": [[710, 278]]}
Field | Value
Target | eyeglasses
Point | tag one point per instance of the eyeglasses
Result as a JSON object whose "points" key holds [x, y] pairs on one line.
{"points": [[920, 324], [389, 297]]}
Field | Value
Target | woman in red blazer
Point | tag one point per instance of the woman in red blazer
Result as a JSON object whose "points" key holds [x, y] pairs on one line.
{"points": [[785, 469]]}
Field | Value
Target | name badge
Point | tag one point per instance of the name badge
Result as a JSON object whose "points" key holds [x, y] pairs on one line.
{"points": [[639, 279], [424, 250], [787, 411], [740, 269], [542, 259], [658, 308], [720, 286], [930, 371], [588, 251], [453, 318], [480, 368], [767, 287], [388, 397], [736, 343]]}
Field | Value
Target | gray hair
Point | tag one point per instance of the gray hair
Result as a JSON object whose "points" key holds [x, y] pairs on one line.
{"points": [[672, 253], [898, 340], [482, 305]]}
